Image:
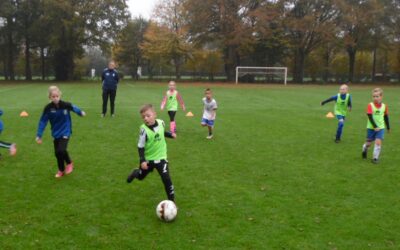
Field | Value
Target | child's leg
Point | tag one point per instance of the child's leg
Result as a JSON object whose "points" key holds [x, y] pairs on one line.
{"points": [[377, 149], [172, 124], [210, 128], [5, 145], [163, 170], [59, 155], [340, 128]]}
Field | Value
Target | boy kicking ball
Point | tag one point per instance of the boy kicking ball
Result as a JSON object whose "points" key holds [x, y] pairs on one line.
{"points": [[343, 104], [378, 119], [210, 107], [153, 150]]}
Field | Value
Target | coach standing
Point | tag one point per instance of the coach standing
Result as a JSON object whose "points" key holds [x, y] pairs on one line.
{"points": [[110, 80]]}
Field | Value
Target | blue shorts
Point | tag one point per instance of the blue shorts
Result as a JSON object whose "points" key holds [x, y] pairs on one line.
{"points": [[340, 117], [207, 122], [372, 135]]}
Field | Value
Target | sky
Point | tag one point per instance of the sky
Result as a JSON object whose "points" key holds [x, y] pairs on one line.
{"points": [[141, 7]]}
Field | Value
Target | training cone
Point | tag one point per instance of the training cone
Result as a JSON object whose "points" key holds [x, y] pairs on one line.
{"points": [[189, 114], [24, 114], [330, 115]]}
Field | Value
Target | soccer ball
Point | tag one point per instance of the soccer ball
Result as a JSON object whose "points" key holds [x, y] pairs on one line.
{"points": [[166, 210]]}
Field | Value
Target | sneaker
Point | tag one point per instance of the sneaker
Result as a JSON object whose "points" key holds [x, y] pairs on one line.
{"points": [[364, 154], [133, 175], [59, 174], [337, 140], [102, 115], [13, 149], [374, 161], [69, 168], [209, 137], [113, 115]]}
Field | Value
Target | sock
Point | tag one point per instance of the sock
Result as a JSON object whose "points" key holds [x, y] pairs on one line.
{"points": [[5, 145], [339, 130], [365, 147], [172, 126], [377, 151]]}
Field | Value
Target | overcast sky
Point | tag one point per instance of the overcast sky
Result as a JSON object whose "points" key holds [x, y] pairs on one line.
{"points": [[141, 7]]}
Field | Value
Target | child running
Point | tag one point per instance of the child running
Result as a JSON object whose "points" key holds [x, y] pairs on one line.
{"points": [[209, 114], [12, 147], [58, 113], [170, 100], [343, 104], [153, 150], [378, 119]]}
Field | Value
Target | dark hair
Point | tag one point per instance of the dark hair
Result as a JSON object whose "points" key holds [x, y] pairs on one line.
{"points": [[146, 107], [207, 89]]}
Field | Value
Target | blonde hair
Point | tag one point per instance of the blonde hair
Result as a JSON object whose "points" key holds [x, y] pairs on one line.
{"points": [[345, 86], [377, 90], [146, 107], [172, 82], [54, 89]]}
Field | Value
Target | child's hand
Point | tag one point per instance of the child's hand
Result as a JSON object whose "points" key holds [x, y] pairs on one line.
{"points": [[349, 109], [162, 107], [83, 113], [173, 135], [184, 108], [39, 140], [321, 104], [377, 129], [144, 166]]}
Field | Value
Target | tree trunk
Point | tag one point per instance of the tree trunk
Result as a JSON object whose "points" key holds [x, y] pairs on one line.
{"points": [[231, 60], [64, 59], [43, 63], [299, 58], [352, 61], [28, 71], [373, 65], [327, 58], [177, 69], [10, 58]]}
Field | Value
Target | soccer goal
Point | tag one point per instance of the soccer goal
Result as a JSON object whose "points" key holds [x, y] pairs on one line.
{"points": [[261, 74]]}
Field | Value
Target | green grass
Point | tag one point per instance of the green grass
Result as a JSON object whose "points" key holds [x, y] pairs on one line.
{"points": [[272, 178]]}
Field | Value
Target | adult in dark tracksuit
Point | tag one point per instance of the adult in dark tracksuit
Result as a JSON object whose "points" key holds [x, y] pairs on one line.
{"points": [[110, 80]]}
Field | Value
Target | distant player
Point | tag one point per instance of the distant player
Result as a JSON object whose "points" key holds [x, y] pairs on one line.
{"points": [[170, 100], [209, 114], [110, 79], [153, 150], [343, 104], [12, 147], [378, 119], [58, 113]]}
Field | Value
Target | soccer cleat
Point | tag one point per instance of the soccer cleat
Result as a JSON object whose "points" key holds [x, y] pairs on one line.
{"points": [[59, 174], [13, 149], [374, 161], [364, 154], [209, 137], [69, 168], [133, 175]]}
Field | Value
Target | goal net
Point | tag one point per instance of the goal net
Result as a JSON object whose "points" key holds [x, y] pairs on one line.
{"points": [[261, 74]]}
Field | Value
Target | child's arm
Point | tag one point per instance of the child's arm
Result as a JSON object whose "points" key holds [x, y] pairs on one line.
{"points": [[349, 105], [163, 102], [42, 125], [169, 134], [76, 110], [370, 118], [141, 150], [332, 98], [386, 117], [179, 97]]}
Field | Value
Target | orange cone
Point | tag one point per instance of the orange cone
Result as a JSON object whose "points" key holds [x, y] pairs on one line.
{"points": [[24, 114], [189, 114], [330, 115]]}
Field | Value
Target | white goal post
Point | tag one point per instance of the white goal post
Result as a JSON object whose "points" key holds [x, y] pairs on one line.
{"points": [[280, 72]]}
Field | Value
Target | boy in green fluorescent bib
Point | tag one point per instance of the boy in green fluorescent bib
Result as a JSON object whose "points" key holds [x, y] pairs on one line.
{"points": [[343, 104], [153, 149], [378, 119]]}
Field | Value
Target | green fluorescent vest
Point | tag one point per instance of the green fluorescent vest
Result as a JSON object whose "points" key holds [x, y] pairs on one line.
{"points": [[155, 147], [378, 116], [172, 101], [341, 105]]}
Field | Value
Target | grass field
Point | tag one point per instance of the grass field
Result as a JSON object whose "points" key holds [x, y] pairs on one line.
{"points": [[272, 177]]}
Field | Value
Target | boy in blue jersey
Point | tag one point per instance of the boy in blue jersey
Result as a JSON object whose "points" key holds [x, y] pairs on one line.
{"points": [[58, 113], [12, 147], [343, 104]]}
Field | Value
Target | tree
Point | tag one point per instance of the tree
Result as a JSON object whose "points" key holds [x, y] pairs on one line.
{"points": [[127, 50]]}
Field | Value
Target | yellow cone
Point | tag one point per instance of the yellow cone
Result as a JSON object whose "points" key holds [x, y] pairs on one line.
{"points": [[189, 114], [24, 114], [330, 115]]}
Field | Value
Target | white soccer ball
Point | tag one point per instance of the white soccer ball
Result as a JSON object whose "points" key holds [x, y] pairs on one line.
{"points": [[166, 210]]}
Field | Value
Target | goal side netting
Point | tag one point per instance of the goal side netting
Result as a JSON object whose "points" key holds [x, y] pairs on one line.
{"points": [[261, 74]]}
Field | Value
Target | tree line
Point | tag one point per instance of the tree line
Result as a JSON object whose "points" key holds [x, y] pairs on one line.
{"points": [[318, 40]]}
